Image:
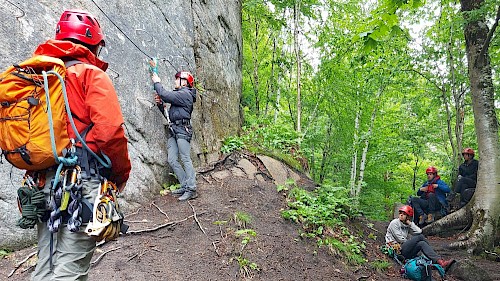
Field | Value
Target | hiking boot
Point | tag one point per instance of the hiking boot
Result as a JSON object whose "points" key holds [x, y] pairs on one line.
{"points": [[421, 220], [451, 196], [430, 218], [188, 195], [445, 264], [178, 192]]}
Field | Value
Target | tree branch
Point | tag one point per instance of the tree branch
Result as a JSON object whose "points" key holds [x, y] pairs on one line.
{"points": [[21, 263], [426, 78], [487, 41], [161, 226]]}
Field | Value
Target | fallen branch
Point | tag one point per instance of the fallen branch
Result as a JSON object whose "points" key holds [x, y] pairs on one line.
{"points": [[215, 248], [134, 213], [160, 226], [161, 211], [205, 178], [196, 219], [21, 263], [102, 255]]}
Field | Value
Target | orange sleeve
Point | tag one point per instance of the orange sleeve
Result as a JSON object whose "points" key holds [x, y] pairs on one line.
{"points": [[108, 131]]}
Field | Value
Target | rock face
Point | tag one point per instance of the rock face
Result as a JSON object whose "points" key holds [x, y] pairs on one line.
{"points": [[203, 37]]}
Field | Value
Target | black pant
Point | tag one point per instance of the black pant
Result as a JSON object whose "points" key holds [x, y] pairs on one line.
{"points": [[425, 206], [412, 247], [463, 183]]}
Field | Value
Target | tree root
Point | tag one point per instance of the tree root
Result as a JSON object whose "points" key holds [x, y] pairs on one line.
{"points": [[458, 218], [473, 240]]}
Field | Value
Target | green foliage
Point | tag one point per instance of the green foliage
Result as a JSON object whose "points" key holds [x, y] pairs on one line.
{"points": [[322, 214], [327, 206], [231, 144], [380, 265], [246, 235], [242, 219], [4, 253], [169, 188], [289, 183]]}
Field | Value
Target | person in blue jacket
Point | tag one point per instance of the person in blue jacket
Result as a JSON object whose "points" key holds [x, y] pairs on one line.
{"points": [[432, 197], [181, 101]]}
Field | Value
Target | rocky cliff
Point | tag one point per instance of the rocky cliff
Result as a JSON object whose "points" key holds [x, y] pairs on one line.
{"points": [[203, 37]]}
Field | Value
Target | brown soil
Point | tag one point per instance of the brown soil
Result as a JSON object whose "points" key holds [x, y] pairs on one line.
{"points": [[204, 245]]}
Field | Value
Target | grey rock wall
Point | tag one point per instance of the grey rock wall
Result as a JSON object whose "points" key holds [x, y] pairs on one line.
{"points": [[203, 37]]}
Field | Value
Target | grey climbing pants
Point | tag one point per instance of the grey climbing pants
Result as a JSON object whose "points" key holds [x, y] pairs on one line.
{"points": [[181, 149]]}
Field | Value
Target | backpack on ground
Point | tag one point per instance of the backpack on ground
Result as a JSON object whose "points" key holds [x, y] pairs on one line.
{"points": [[420, 269], [33, 131]]}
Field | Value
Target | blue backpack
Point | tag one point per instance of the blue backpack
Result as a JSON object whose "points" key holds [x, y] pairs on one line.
{"points": [[420, 269]]}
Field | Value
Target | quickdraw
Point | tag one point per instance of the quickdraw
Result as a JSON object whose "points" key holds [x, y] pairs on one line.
{"points": [[107, 222], [67, 197]]}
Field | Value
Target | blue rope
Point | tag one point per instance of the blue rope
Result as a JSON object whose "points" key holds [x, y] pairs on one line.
{"points": [[106, 164]]}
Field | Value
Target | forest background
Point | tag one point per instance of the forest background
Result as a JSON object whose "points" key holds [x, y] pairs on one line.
{"points": [[362, 95]]}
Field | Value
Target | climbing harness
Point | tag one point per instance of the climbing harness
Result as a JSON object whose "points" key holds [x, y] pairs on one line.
{"points": [[107, 222]]}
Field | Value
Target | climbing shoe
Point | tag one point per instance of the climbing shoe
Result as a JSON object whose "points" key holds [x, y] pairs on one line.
{"points": [[421, 220], [430, 218], [188, 195], [178, 192], [445, 264]]}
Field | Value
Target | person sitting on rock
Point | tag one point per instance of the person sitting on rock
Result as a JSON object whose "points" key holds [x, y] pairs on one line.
{"points": [[396, 237], [467, 178], [432, 197]]}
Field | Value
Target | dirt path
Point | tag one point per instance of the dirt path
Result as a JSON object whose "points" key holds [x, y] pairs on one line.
{"points": [[204, 243]]}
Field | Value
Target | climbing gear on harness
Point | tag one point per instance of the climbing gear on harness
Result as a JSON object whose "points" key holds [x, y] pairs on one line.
{"points": [[107, 220], [31, 203], [66, 200]]}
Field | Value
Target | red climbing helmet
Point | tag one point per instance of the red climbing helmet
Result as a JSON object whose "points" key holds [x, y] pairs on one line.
{"points": [[407, 210], [185, 75], [79, 25], [469, 151], [432, 170]]}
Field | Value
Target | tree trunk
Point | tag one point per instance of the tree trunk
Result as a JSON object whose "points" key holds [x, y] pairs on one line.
{"points": [[255, 60], [362, 165], [354, 161], [484, 209], [297, 57]]}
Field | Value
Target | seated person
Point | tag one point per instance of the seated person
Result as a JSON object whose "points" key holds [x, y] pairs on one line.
{"points": [[467, 178], [432, 197], [397, 238]]}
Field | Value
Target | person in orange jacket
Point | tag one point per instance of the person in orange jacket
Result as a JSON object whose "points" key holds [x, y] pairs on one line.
{"points": [[98, 118]]}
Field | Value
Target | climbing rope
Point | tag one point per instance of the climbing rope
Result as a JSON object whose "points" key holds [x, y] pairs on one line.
{"points": [[31, 203], [133, 43]]}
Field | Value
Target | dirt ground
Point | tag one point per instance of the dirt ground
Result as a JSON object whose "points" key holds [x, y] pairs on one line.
{"points": [[199, 240]]}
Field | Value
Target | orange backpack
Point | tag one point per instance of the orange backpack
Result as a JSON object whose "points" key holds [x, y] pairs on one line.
{"points": [[29, 115]]}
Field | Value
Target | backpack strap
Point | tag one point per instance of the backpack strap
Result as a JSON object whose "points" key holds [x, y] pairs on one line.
{"points": [[71, 63]]}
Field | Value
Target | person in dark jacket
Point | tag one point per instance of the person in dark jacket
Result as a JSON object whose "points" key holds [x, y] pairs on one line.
{"points": [[432, 196], [467, 177], [181, 101]]}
